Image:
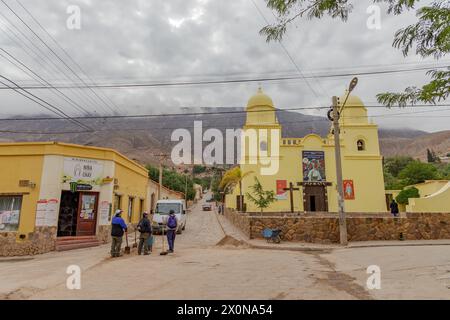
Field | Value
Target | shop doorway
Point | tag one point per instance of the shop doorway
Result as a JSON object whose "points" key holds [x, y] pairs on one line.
{"points": [[77, 214], [315, 198]]}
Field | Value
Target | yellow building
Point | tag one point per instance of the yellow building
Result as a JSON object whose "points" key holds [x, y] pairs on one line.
{"points": [[58, 195], [309, 162], [434, 197]]}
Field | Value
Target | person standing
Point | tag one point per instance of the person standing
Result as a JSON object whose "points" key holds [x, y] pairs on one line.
{"points": [[118, 228], [145, 229], [172, 226], [394, 208]]}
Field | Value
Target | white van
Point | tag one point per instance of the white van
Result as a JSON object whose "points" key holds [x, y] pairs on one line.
{"points": [[161, 214]]}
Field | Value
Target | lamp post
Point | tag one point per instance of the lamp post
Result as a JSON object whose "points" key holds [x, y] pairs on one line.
{"points": [[336, 111]]}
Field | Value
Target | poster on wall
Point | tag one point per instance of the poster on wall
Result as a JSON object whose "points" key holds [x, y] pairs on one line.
{"points": [[47, 213], [281, 193], [313, 164], [104, 212], [349, 190], [88, 172]]}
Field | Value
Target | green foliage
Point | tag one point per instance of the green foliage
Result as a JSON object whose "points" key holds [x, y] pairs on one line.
{"points": [[407, 193], [197, 169], [396, 164], [430, 36], [173, 180], [417, 172], [262, 199], [205, 182]]}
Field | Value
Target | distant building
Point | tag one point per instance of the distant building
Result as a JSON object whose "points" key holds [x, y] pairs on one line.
{"points": [[309, 163]]}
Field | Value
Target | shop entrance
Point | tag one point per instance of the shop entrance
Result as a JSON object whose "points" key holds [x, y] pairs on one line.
{"points": [[77, 214]]}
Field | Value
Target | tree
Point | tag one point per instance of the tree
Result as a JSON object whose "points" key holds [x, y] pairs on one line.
{"points": [[430, 36], [262, 199], [394, 165], [173, 180], [407, 193], [232, 178], [417, 172]]}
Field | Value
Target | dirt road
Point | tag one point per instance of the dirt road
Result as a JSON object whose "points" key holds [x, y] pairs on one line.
{"points": [[202, 269]]}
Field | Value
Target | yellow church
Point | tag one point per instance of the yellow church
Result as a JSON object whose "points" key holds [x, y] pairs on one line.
{"points": [[305, 175]]}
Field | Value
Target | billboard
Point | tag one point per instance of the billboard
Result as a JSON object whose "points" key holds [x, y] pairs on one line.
{"points": [[313, 163]]}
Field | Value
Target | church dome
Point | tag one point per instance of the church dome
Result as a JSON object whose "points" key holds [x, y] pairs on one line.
{"points": [[352, 101], [260, 99]]}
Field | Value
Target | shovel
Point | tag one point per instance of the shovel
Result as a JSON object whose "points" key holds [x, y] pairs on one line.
{"points": [[163, 252], [127, 248], [135, 239]]}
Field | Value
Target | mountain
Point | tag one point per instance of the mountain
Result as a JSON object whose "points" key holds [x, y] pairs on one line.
{"points": [[144, 138]]}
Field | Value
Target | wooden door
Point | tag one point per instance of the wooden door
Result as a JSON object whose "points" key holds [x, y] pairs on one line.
{"points": [[87, 213], [315, 199]]}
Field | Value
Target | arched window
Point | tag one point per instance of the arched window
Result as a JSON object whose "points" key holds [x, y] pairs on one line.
{"points": [[361, 145]]}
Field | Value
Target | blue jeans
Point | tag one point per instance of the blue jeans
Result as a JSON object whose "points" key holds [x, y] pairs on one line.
{"points": [[171, 238]]}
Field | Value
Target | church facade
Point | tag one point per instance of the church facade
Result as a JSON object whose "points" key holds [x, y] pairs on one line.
{"points": [[305, 180]]}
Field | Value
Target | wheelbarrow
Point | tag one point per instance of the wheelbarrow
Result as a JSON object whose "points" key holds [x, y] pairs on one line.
{"points": [[272, 235]]}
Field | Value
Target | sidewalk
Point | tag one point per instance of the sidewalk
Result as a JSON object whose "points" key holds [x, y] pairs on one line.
{"points": [[233, 231]]}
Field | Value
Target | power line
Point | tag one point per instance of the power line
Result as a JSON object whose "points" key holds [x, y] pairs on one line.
{"points": [[52, 108], [65, 97], [225, 81], [209, 113], [85, 98], [45, 44], [67, 54]]}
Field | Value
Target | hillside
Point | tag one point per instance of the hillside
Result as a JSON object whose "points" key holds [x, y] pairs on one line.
{"points": [[143, 138]]}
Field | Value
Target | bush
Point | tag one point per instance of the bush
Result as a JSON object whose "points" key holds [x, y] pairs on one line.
{"points": [[407, 193], [417, 172]]}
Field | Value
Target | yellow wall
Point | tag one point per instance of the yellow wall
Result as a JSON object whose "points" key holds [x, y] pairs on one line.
{"points": [[15, 168], [435, 202]]}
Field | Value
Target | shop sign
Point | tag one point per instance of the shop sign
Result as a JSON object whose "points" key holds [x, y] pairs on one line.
{"points": [[83, 171]]}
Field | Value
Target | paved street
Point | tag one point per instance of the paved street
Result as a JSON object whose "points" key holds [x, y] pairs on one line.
{"points": [[201, 268]]}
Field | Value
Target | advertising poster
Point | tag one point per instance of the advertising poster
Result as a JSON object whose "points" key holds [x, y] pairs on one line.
{"points": [[281, 193], [313, 163], [349, 190], [47, 212], [41, 209], [104, 212]]}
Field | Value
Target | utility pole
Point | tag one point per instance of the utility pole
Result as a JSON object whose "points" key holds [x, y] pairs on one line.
{"points": [[336, 111], [162, 157]]}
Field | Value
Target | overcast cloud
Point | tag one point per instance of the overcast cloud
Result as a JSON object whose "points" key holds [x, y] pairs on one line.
{"points": [[172, 40]]}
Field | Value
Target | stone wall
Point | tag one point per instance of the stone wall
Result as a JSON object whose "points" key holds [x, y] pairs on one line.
{"points": [[42, 240], [324, 227]]}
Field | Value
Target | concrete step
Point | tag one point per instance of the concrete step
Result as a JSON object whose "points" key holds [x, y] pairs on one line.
{"points": [[70, 243]]}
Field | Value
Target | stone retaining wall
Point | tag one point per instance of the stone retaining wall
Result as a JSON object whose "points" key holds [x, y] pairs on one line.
{"points": [[41, 241], [324, 227]]}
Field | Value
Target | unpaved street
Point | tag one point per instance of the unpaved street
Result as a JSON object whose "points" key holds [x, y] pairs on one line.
{"points": [[207, 266]]}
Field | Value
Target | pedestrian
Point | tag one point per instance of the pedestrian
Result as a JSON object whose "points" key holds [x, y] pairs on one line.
{"points": [[394, 208], [145, 228], [172, 226], [118, 228]]}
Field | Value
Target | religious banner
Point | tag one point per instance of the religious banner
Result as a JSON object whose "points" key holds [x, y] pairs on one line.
{"points": [[281, 192], [349, 190], [313, 163]]}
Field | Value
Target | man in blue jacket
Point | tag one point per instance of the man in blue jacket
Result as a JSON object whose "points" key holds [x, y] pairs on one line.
{"points": [[118, 228]]}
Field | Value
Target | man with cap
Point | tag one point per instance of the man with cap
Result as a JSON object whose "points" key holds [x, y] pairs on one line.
{"points": [[145, 229], [118, 228]]}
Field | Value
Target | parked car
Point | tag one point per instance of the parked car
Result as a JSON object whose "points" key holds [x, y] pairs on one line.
{"points": [[161, 214], [207, 207]]}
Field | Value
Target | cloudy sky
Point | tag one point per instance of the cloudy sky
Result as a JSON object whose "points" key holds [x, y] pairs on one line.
{"points": [[156, 41]]}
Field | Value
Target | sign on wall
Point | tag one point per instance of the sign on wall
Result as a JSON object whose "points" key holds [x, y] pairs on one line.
{"points": [[281, 192], [349, 190], [47, 213], [313, 163], [104, 209], [83, 171]]}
